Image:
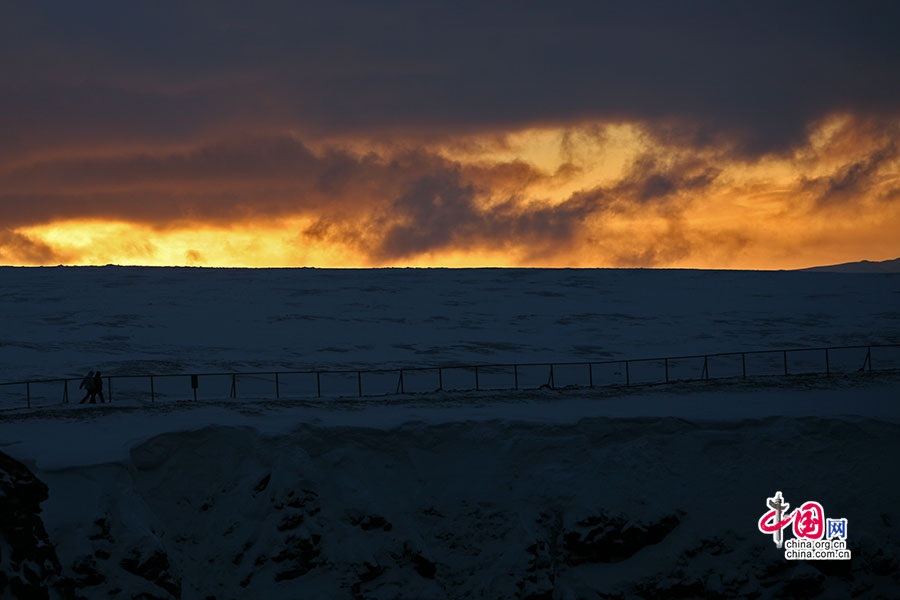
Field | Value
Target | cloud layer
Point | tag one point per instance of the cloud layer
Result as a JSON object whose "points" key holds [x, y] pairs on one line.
{"points": [[387, 133], [754, 73]]}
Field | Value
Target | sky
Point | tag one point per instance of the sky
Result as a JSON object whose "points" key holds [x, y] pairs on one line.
{"points": [[738, 135]]}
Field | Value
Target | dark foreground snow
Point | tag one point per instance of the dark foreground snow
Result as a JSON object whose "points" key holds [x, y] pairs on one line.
{"points": [[651, 492], [404, 499]]}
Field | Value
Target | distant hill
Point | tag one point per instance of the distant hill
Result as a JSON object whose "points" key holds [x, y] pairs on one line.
{"points": [[863, 266]]}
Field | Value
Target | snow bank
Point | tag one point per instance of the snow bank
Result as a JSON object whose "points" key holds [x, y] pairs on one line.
{"points": [[75, 435], [500, 509]]}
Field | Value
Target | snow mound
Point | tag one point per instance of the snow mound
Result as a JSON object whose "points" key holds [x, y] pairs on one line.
{"points": [[661, 507]]}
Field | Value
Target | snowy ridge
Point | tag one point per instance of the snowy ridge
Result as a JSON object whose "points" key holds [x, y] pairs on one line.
{"points": [[490, 508], [862, 266]]}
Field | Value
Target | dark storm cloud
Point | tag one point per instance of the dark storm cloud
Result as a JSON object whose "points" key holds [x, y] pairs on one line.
{"points": [[248, 177], [853, 181], [750, 74], [441, 212], [649, 180], [248, 158], [19, 249]]}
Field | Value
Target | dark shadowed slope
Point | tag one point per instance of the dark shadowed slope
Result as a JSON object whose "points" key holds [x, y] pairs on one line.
{"points": [[863, 266]]}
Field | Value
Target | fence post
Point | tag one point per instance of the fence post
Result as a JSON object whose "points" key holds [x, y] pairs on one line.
{"points": [[277, 390], [401, 387], [152, 390], [706, 368], [109, 388], [827, 364], [359, 382], [869, 358], [667, 370], [234, 385], [477, 386], [318, 385], [784, 352], [591, 375], [440, 379], [516, 375], [65, 391], [627, 374], [744, 364], [552, 381], [28, 393]]}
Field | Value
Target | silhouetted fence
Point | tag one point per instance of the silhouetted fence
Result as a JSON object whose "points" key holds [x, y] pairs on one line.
{"points": [[487, 377]]}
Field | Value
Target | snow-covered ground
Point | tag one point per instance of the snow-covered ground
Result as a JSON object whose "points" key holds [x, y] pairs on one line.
{"points": [[546, 495], [63, 321], [651, 492]]}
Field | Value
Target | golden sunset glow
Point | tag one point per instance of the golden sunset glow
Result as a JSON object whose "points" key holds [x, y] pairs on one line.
{"points": [[596, 195], [95, 242], [593, 135]]}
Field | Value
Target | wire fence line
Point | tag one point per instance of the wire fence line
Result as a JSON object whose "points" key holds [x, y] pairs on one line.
{"points": [[334, 383]]}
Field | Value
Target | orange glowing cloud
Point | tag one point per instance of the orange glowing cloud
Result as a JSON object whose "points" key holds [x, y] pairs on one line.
{"points": [[593, 195]]}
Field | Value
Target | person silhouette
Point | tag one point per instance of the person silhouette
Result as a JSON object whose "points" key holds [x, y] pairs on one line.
{"points": [[88, 385], [98, 388]]}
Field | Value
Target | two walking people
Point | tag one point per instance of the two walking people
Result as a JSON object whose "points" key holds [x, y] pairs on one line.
{"points": [[93, 386]]}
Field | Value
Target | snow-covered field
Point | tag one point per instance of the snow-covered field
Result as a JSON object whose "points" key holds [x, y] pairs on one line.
{"points": [[64, 321], [648, 492]]}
